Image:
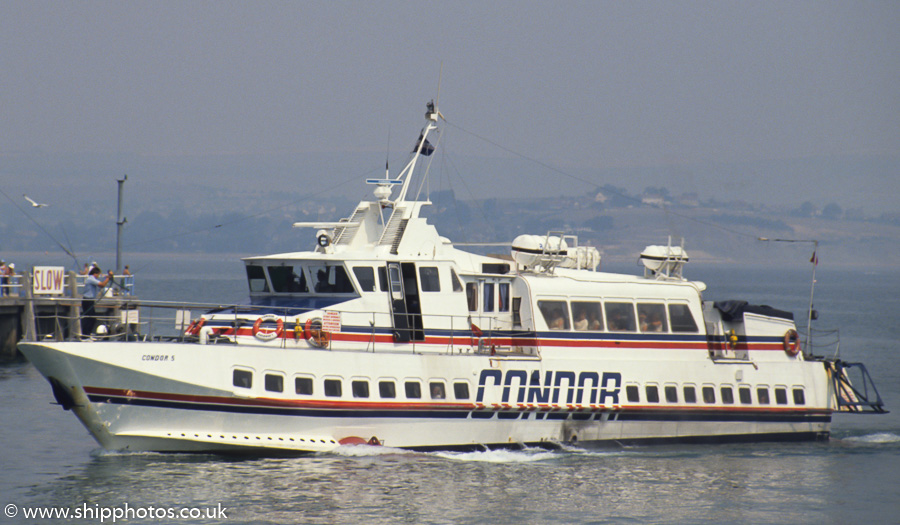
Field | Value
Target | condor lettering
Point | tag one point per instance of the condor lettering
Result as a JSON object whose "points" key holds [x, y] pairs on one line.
{"points": [[554, 386]]}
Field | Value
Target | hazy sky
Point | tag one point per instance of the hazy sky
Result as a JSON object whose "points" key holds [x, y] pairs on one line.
{"points": [[588, 85]]}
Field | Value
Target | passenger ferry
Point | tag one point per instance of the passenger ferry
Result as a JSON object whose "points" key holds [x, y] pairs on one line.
{"points": [[388, 334]]}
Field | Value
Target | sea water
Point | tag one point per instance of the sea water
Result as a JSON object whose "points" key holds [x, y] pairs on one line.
{"points": [[48, 461]]}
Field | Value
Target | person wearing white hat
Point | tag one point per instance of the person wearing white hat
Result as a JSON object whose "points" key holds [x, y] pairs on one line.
{"points": [[4, 278]]}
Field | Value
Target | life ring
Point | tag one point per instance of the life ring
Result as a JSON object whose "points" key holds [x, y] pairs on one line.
{"points": [[195, 326], [791, 342], [267, 334], [315, 334]]}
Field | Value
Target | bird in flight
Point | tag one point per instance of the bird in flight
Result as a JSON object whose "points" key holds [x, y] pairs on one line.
{"points": [[34, 204]]}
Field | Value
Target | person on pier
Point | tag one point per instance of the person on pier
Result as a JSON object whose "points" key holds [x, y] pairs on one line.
{"points": [[93, 287]]}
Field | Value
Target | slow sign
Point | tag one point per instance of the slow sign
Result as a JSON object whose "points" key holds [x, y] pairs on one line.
{"points": [[48, 280]]}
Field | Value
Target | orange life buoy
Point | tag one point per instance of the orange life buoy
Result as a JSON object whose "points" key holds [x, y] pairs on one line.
{"points": [[315, 334], [267, 334], [791, 342]]}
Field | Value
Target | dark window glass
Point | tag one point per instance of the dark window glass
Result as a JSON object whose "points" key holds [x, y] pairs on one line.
{"points": [[413, 390], [781, 396], [256, 278], [682, 320], [365, 276], [727, 395], [330, 279], [652, 318], [303, 385], [620, 317], [472, 296], [762, 395], [744, 395], [556, 314], [274, 383], [632, 394], [461, 390], [671, 394], [690, 395], [517, 311], [457, 286], [333, 387], [242, 378], [360, 388], [437, 390], [799, 397], [652, 394], [503, 297], [709, 395], [429, 279], [587, 315], [382, 278], [387, 389], [500, 268], [488, 297], [288, 279]]}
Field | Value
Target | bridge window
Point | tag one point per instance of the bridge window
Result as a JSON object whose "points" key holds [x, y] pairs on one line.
{"points": [[682, 320], [242, 378], [330, 279], [587, 315], [556, 314], [457, 286], [744, 395], [781, 396], [632, 393], [429, 279], [762, 395], [365, 276], [620, 317], [413, 390], [690, 395], [499, 268], [472, 296], [437, 390], [382, 278], [727, 395], [799, 397], [333, 387], [709, 395], [256, 278], [274, 383], [360, 388], [652, 394], [488, 291], [288, 279], [387, 389], [652, 318], [461, 390], [303, 386], [503, 297]]}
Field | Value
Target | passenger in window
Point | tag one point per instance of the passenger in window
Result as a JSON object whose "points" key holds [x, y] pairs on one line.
{"points": [[642, 321], [581, 320], [436, 391], [656, 324], [594, 321], [558, 322]]}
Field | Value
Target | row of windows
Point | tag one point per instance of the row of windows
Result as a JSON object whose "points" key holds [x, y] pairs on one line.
{"points": [[708, 394], [359, 388], [620, 316], [330, 279]]}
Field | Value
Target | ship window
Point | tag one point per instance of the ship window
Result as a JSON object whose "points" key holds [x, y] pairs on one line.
{"points": [[652, 394], [303, 385], [288, 279], [709, 395], [652, 318], [242, 378], [333, 387], [632, 393], [503, 297], [488, 291], [437, 390], [274, 383], [690, 395], [472, 296], [671, 394], [360, 388], [413, 390], [430, 279], [330, 279], [744, 395], [382, 278], [365, 276], [781, 396], [556, 314], [727, 395], [257, 279], [500, 268], [620, 317], [461, 390], [682, 320], [387, 389], [762, 395], [457, 286], [799, 397], [587, 315], [517, 311]]}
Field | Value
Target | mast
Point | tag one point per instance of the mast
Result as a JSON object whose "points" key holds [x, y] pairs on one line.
{"points": [[120, 222]]}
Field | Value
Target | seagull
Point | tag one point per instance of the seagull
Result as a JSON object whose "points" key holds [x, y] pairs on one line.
{"points": [[34, 204]]}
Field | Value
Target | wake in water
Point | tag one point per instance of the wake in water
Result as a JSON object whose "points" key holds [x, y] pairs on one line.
{"points": [[878, 438]]}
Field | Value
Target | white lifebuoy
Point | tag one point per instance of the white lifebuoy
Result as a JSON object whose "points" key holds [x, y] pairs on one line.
{"points": [[267, 334]]}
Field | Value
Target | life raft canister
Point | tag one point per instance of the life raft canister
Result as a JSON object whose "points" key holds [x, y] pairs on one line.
{"points": [[315, 334], [791, 342], [267, 334]]}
